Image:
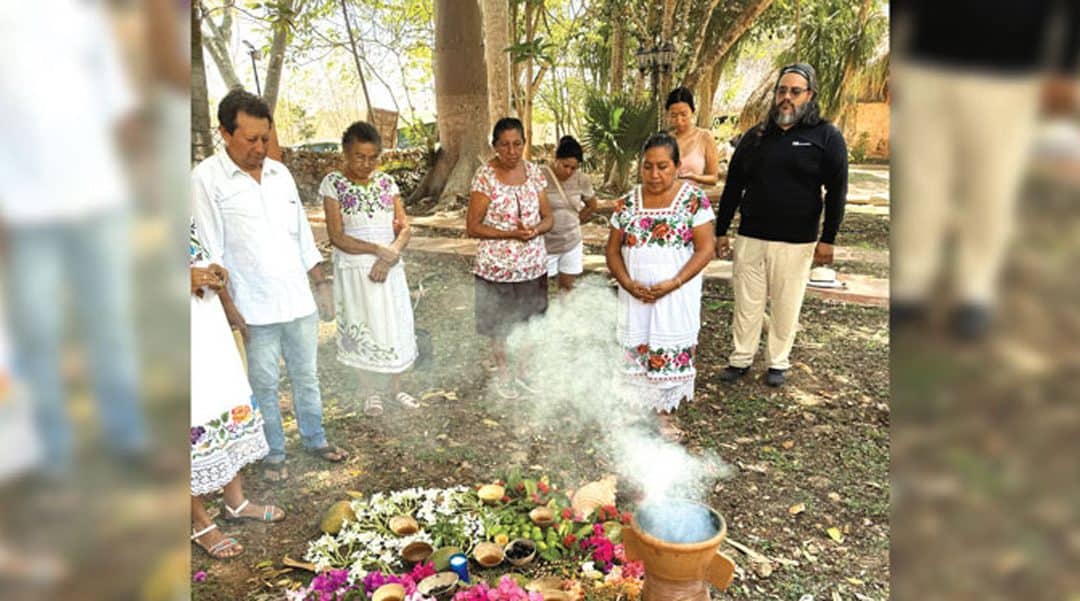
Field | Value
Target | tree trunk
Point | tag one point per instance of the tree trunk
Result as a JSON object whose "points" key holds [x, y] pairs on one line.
{"points": [[356, 57], [202, 141], [496, 41], [701, 35], [461, 101], [282, 34], [707, 94], [217, 44], [741, 25], [618, 50], [667, 26]]}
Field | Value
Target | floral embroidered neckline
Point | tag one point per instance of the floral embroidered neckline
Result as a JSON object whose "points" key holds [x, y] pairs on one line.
{"points": [[639, 199]]}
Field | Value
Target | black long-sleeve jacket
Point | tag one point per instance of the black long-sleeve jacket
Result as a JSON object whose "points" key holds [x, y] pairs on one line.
{"points": [[775, 179]]}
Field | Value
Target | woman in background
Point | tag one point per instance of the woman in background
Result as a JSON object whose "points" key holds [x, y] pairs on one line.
{"points": [[570, 194]]}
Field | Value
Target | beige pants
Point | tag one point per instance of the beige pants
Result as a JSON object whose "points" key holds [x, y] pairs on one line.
{"points": [[958, 157], [777, 271]]}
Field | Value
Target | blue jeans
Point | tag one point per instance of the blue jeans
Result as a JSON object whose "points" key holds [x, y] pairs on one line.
{"points": [[86, 263], [298, 341]]}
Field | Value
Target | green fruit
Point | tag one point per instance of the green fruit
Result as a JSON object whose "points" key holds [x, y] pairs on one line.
{"points": [[441, 558], [336, 516], [541, 545], [613, 531]]}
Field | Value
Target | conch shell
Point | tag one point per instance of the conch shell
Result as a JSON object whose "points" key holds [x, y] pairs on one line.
{"points": [[593, 495]]}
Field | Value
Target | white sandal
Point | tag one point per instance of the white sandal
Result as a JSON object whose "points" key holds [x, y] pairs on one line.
{"points": [[233, 515], [407, 400], [220, 549], [373, 406]]}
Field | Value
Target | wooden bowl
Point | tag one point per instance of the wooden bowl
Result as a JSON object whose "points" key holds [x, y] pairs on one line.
{"points": [[520, 551], [542, 516], [439, 586], [488, 555], [404, 525], [389, 592], [491, 493], [416, 551]]}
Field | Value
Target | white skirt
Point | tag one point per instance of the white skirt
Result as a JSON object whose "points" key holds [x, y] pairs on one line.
{"points": [[226, 426], [658, 340], [374, 319]]}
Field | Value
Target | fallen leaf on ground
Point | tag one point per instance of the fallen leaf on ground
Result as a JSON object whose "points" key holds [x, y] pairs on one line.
{"points": [[834, 533], [797, 508]]}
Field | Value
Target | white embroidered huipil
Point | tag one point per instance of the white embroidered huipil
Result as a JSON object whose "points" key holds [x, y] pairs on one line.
{"points": [[374, 319], [659, 339]]}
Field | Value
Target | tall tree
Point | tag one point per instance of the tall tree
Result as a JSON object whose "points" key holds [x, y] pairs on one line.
{"points": [[738, 27], [461, 101], [356, 57], [202, 141], [496, 42], [618, 48], [283, 16], [216, 39], [531, 58]]}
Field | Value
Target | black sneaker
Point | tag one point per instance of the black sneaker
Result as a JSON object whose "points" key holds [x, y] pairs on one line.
{"points": [[775, 377], [732, 373], [970, 322]]}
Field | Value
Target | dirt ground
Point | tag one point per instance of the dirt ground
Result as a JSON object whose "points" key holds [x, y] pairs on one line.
{"points": [[822, 441]]}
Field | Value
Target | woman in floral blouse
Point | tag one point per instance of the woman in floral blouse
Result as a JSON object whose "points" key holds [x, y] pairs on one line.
{"points": [[659, 242], [368, 228], [509, 213], [226, 426]]}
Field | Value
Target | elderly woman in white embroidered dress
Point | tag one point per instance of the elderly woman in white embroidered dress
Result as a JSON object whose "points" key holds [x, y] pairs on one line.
{"points": [[660, 239], [368, 228]]}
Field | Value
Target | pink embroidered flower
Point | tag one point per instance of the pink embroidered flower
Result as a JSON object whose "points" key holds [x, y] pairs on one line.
{"points": [[683, 359], [646, 223]]}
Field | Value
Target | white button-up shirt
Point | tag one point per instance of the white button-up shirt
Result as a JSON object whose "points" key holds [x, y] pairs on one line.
{"points": [[259, 232]]}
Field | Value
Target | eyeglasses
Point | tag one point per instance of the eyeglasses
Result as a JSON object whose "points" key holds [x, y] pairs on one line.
{"points": [[784, 90]]}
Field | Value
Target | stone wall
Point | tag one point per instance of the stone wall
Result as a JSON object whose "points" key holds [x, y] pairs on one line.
{"points": [[873, 119], [308, 169]]}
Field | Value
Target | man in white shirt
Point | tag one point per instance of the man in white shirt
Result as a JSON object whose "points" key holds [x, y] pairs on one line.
{"points": [[250, 219]]}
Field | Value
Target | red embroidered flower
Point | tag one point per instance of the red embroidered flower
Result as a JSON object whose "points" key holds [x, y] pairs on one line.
{"points": [[631, 240], [661, 230], [642, 349], [241, 413], [657, 361]]}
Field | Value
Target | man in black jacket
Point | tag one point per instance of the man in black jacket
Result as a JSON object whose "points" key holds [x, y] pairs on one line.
{"points": [[775, 180]]}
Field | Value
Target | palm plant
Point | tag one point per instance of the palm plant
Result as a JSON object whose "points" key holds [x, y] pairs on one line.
{"points": [[615, 129]]}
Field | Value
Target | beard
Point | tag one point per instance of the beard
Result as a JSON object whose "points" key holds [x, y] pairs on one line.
{"points": [[788, 118]]}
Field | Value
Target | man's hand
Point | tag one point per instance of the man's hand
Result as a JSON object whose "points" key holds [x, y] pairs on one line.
{"points": [[823, 254], [1060, 96], [723, 247], [324, 300], [237, 321]]}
